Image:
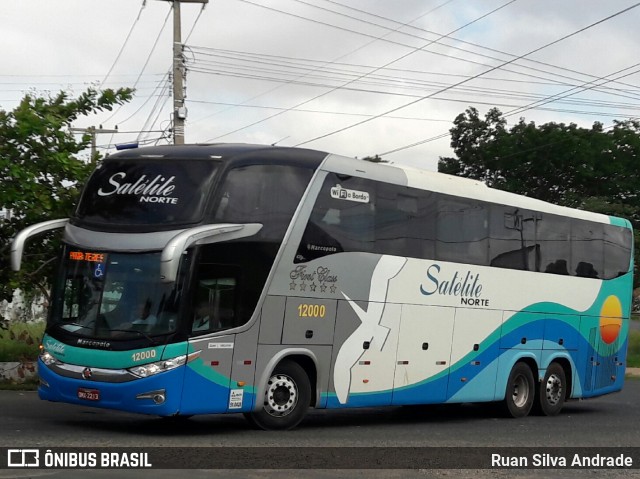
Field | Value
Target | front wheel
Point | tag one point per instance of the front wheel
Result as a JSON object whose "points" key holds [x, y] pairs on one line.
{"points": [[552, 390], [520, 391], [286, 398]]}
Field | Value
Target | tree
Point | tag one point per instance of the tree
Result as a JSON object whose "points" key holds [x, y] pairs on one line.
{"points": [[587, 168], [41, 174]]}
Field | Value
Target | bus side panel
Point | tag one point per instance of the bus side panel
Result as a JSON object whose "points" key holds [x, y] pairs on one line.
{"points": [[561, 332], [363, 362], [206, 383], [524, 331], [272, 319], [602, 359], [474, 355], [424, 354], [242, 390]]}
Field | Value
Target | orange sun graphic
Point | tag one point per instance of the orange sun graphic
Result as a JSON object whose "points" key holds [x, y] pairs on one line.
{"points": [[610, 319]]}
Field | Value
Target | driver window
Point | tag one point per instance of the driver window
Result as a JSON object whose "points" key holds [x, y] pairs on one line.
{"points": [[214, 307]]}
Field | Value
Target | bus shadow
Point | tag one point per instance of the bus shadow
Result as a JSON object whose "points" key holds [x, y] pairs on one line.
{"points": [[230, 424], [430, 414]]}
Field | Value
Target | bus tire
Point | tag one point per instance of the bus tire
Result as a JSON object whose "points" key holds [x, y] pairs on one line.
{"points": [[552, 391], [520, 392], [286, 398]]}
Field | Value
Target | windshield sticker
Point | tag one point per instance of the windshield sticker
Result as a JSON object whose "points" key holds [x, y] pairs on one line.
{"points": [[157, 190], [235, 398], [340, 193]]}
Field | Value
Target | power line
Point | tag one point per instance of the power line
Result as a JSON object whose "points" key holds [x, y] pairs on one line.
{"points": [[437, 41], [281, 71], [144, 67], [195, 23], [549, 99], [393, 110], [336, 59], [465, 42], [373, 71], [126, 40]]}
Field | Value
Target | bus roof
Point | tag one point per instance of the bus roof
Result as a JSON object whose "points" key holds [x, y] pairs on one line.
{"points": [[453, 185], [390, 173], [225, 152]]}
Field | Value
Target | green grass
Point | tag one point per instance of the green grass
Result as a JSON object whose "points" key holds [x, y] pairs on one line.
{"points": [[633, 353], [20, 342]]}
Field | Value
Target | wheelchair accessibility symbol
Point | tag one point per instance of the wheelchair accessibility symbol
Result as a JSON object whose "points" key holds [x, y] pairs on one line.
{"points": [[99, 271]]}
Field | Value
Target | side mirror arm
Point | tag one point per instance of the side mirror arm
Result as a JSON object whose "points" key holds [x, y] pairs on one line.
{"points": [[172, 252], [17, 245]]}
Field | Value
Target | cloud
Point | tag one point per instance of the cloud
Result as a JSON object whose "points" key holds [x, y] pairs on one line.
{"points": [[301, 50]]}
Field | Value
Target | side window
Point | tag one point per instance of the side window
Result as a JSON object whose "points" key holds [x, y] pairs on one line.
{"points": [[215, 305], [423, 226], [343, 219], [512, 238], [617, 251], [397, 231], [267, 194], [587, 249], [462, 230], [405, 221], [552, 234]]}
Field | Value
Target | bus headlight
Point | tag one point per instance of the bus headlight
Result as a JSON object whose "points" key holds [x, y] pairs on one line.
{"points": [[47, 358], [150, 369]]}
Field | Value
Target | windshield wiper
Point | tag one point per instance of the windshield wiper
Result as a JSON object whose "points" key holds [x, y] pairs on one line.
{"points": [[140, 333]]}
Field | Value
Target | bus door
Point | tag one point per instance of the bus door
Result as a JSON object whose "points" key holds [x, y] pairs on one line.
{"points": [[214, 310]]}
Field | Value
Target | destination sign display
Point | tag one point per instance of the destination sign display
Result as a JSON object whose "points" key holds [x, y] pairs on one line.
{"points": [[86, 256]]}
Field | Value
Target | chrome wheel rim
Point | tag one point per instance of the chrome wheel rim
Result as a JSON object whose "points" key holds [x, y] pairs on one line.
{"points": [[520, 393], [553, 389], [281, 396]]}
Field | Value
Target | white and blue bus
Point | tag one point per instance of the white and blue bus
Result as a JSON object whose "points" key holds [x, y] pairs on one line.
{"points": [[227, 278]]}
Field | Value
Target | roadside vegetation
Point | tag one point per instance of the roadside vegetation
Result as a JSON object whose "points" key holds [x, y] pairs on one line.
{"points": [[20, 341], [633, 353]]}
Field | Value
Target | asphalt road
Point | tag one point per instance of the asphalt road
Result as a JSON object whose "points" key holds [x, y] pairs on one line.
{"points": [[612, 420], [609, 421]]}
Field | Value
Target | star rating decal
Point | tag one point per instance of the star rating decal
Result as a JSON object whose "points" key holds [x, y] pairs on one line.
{"points": [[305, 280]]}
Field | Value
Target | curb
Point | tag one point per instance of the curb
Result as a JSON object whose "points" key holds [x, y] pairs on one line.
{"points": [[18, 371]]}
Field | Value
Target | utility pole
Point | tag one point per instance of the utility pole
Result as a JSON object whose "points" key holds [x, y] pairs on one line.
{"points": [[93, 131], [179, 109]]}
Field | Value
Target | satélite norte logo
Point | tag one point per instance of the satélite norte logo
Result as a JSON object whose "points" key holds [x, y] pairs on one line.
{"points": [[466, 286], [158, 190]]}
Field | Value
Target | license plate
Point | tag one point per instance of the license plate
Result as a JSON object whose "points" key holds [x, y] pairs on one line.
{"points": [[89, 394]]}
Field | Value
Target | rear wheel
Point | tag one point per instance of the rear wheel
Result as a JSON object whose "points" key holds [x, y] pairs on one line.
{"points": [[520, 392], [552, 391], [286, 398]]}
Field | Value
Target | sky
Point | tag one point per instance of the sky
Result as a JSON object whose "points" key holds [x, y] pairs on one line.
{"points": [[352, 77]]}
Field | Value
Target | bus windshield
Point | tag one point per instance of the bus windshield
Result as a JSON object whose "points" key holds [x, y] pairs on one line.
{"points": [[114, 295]]}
